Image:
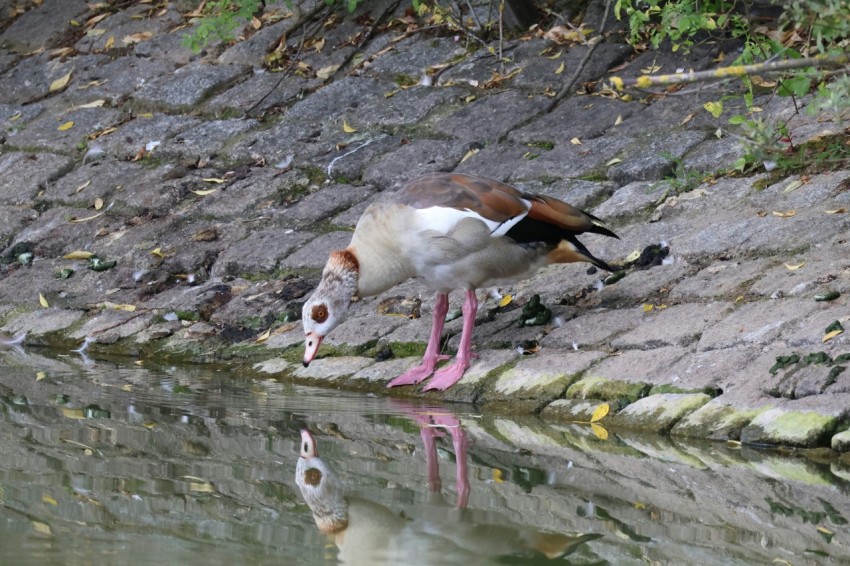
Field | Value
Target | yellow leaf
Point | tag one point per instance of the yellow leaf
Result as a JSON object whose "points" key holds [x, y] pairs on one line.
{"points": [[110, 43], [793, 267], [86, 219], [560, 69], [469, 154], [327, 72], [599, 431], [786, 214], [40, 375], [830, 335], [575, 141], [619, 120], [498, 477], [739, 298], [93, 104], [66, 126], [145, 115], [157, 252], [41, 528], [640, 505], [613, 161], [714, 108], [42, 301], [647, 307], [49, 500], [555, 56], [347, 129], [204, 487], [78, 254], [123, 307], [83, 186], [633, 256], [264, 336], [139, 362], [600, 412], [60, 83], [98, 203], [825, 531], [73, 413], [205, 192], [650, 70], [149, 425], [841, 210], [215, 180], [505, 301]]}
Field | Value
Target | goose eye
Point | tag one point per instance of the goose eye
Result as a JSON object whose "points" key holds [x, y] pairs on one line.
{"points": [[319, 313]]}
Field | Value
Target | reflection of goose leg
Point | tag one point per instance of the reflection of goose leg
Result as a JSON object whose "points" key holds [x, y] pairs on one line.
{"points": [[460, 443], [429, 436]]}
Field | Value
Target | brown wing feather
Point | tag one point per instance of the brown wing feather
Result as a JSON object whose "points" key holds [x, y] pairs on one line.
{"points": [[558, 213], [491, 199]]}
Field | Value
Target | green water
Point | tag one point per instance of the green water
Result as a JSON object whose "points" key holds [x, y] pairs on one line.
{"points": [[104, 463]]}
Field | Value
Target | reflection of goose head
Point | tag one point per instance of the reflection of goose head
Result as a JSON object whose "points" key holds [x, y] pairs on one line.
{"points": [[320, 487]]}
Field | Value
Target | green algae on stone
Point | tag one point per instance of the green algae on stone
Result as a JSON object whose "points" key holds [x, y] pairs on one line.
{"points": [[659, 413], [802, 429], [575, 410], [608, 389], [715, 421]]}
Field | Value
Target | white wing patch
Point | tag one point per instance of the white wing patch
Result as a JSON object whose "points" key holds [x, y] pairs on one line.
{"points": [[443, 219]]}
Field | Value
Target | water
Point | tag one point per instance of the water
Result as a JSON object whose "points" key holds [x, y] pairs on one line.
{"points": [[116, 463]]}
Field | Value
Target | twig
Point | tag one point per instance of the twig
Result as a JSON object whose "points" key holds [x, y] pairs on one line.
{"points": [[592, 45], [501, 37], [283, 74], [645, 81]]}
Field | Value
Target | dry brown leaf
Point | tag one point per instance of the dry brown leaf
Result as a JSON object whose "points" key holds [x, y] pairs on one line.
{"points": [[841, 210], [136, 37]]}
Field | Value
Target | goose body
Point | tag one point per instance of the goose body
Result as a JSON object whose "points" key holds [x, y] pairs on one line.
{"points": [[452, 231]]}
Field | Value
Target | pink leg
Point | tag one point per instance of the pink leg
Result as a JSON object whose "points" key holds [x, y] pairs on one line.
{"points": [[450, 374], [432, 351]]}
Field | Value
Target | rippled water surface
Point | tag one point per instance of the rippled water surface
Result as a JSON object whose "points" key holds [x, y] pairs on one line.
{"points": [[118, 463]]}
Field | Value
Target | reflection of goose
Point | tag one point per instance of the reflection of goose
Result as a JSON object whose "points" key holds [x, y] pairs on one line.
{"points": [[366, 532]]}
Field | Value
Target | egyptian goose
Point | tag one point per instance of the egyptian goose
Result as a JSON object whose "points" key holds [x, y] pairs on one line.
{"points": [[453, 231]]}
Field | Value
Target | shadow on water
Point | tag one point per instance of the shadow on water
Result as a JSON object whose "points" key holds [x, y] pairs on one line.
{"points": [[104, 463]]}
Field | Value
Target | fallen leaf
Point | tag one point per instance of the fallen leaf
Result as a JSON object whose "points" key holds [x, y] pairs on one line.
{"points": [[613, 161], [830, 335], [66, 126], [505, 301], [157, 252], [93, 104], [347, 129], [575, 141], [619, 120], [794, 267], [87, 218], [639, 505], [714, 108], [793, 186], [786, 214], [78, 254], [688, 118], [203, 193], [110, 43], [469, 154], [42, 301], [650, 70], [841, 210], [60, 83], [633, 256], [599, 431], [98, 203], [40, 375], [600, 412], [498, 476], [137, 37], [556, 55], [560, 69], [256, 23], [215, 180], [264, 336], [41, 528], [326, 72], [647, 307]]}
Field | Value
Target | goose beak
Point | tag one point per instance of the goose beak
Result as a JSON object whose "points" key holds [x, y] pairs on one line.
{"points": [[312, 346]]}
